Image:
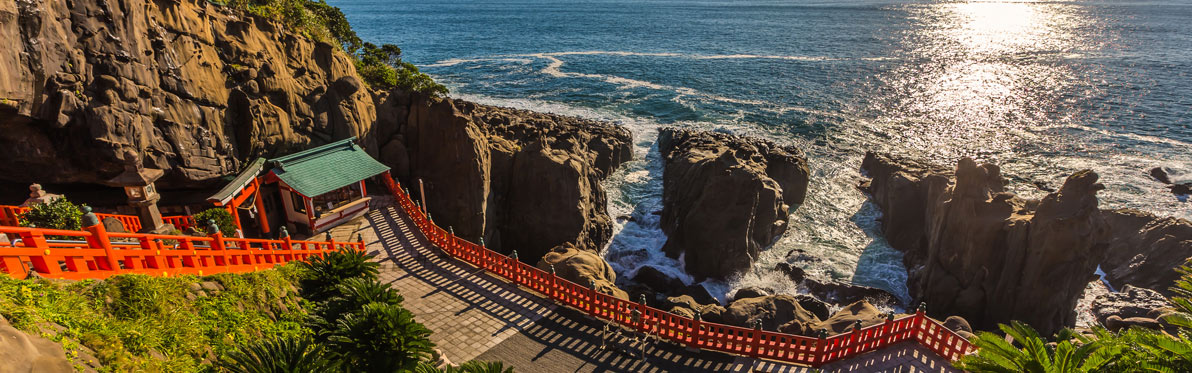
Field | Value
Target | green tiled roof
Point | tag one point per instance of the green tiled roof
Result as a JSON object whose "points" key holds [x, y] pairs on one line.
{"points": [[236, 185], [326, 168]]}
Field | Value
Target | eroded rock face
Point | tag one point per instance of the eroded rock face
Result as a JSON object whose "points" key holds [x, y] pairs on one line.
{"points": [[584, 268], [1130, 302], [772, 311], [1145, 250], [23, 352], [976, 251], [193, 88], [725, 198], [521, 180]]}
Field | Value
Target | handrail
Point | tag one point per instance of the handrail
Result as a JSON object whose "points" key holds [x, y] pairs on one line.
{"points": [[11, 216], [96, 253], [690, 332]]}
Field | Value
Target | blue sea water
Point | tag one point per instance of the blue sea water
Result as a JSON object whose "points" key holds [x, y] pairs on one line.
{"points": [[1043, 88]]}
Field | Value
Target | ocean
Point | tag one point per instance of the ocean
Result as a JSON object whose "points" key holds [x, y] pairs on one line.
{"points": [[1042, 88]]}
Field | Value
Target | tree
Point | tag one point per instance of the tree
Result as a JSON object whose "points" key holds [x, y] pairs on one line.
{"points": [[382, 337], [223, 219], [283, 355], [1030, 353]]}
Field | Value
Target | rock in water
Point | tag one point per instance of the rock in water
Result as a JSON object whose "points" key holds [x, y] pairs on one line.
{"points": [[1160, 175], [979, 252], [1145, 250], [773, 311], [1130, 302], [656, 280], [584, 268], [1181, 189], [726, 197]]}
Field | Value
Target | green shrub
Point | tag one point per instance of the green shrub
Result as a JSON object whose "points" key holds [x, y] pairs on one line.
{"points": [[322, 276], [57, 214], [381, 337], [352, 295], [222, 218], [291, 354]]}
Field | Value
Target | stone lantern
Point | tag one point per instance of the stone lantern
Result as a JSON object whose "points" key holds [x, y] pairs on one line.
{"points": [[142, 196]]}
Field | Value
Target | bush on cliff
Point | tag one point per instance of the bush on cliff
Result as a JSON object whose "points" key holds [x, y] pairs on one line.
{"points": [[57, 214], [223, 219], [379, 67]]}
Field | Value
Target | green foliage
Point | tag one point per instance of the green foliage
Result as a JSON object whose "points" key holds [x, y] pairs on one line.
{"points": [[1030, 353], [222, 218], [142, 323], [381, 337], [352, 295], [57, 214], [324, 275], [282, 355], [380, 67], [473, 366]]}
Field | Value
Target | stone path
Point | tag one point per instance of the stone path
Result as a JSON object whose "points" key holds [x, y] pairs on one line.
{"points": [[477, 316]]}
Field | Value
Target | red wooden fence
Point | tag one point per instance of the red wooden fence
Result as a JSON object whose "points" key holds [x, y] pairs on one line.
{"points": [[686, 331], [11, 215], [96, 253]]}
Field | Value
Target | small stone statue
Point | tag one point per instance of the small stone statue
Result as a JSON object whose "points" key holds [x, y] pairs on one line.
{"points": [[39, 196]]}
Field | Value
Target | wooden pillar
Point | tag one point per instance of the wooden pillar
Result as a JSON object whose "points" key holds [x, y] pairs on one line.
{"points": [[310, 212], [262, 220], [99, 239]]}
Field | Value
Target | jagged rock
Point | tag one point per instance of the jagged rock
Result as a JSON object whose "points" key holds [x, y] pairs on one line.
{"points": [[23, 352], [654, 279], [976, 251], [1128, 303], [725, 197], [846, 318], [817, 307], [840, 293], [689, 306], [700, 294], [518, 179], [1182, 189], [774, 312], [583, 268], [1160, 175], [750, 292], [1145, 250], [793, 272], [92, 79]]}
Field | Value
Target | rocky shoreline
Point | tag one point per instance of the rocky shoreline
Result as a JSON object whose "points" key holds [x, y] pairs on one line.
{"points": [[198, 90]]}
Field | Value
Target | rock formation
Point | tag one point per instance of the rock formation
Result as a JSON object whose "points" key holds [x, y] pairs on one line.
{"points": [[725, 197], [582, 267], [193, 87], [522, 180], [196, 89], [24, 352], [1145, 250], [976, 251], [1131, 303]]}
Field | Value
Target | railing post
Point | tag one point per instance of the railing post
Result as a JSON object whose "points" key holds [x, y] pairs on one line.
{"points": [[887, 331], [697, 330], [821, 347], [856, 337], [641, 304], [99, 239], [41, 263], [217, 243], [553, 291], [756, 343], [330, 244], [360, 240], [918, 323], [516, 266], [592, 297]]}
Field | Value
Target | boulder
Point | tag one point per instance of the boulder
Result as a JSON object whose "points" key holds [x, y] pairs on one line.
{"points": [[1160, 175], [773, 311], [1130, 302], [113, 225], [1145, 250], [657, 280], [725, 198], [582, 267], [688, 306], [795, 273], [24, 352], [979, 252], [841, 293], [750, 292], [957, 324], [1181, 189], [817, 307], [846, 318], [699, 293]]}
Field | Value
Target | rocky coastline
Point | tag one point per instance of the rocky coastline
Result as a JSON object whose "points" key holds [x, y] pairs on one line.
{"points": [[198, 89]]}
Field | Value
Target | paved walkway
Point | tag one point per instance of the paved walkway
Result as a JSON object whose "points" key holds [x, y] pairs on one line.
{"points": [[477, 316]]}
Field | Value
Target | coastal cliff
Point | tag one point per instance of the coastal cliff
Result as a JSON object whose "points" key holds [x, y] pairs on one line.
{"points": [[197, 89]]}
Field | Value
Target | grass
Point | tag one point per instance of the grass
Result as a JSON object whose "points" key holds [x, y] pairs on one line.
{"points": [[142, 323]]}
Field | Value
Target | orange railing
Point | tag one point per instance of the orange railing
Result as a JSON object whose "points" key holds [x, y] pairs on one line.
{"points": [[11, 215], [96, 253], [691, 332]]}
